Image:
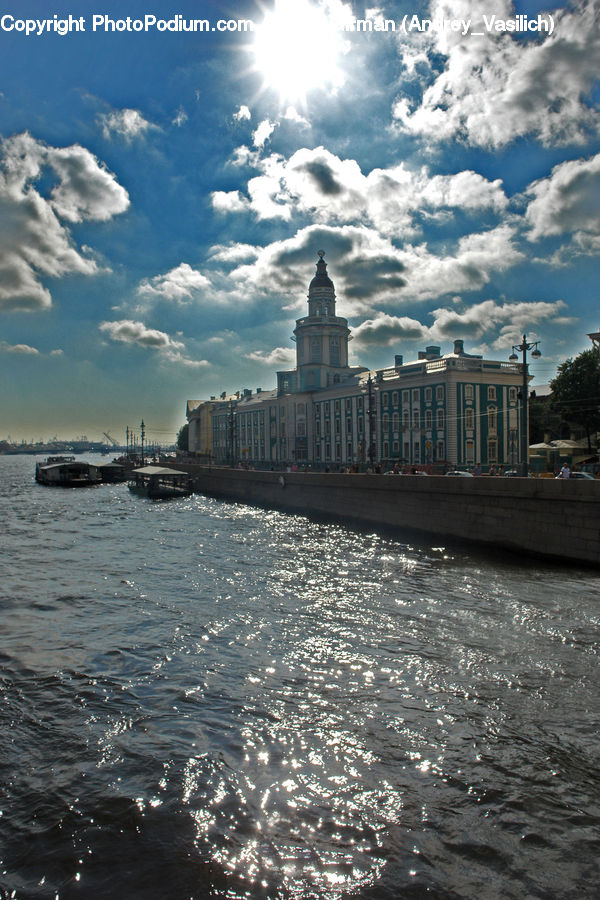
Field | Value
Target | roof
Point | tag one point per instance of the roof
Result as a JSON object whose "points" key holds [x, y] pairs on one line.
{"points": [[157, 470]]}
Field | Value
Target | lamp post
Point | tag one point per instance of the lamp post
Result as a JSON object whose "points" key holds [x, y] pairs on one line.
{"points": [[371, 417], [232, 433], [523, 348]]}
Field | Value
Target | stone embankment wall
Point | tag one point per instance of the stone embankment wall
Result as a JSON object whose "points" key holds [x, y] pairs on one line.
{"points": [[555, 518]]}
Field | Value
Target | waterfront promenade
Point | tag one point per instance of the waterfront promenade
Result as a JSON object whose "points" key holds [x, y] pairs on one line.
{"points": [[559, 519]]}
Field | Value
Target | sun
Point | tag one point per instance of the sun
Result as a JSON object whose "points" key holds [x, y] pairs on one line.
{"points": [[298, 47]]}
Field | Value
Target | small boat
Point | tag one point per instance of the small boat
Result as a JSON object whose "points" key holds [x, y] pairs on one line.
{"points": [[160, 482], [66, 471]]}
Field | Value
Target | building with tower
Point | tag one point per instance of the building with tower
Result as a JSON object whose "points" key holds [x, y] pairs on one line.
{"points": [[455, 409]]}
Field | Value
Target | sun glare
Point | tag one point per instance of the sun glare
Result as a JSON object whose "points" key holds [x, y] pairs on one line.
{"points": [[298, 48]]}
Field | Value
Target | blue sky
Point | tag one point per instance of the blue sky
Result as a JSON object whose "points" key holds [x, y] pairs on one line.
{"points": [[163, 195]]}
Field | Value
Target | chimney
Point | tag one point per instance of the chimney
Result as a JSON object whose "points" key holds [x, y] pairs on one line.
{"points": [[422, 355], [432, 352], [459, 347], [397, 361]]}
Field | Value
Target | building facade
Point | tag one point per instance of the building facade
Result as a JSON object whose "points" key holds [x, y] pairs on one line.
{"points": [[455, 409]]}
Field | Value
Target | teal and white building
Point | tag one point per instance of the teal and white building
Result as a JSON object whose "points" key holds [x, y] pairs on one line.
{"points": [[451, 409]]}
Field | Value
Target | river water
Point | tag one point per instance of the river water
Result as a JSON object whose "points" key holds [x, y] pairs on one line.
{"points": [[202, 699]]}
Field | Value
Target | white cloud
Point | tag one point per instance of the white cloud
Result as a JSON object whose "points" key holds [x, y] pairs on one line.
{"points": [[385, 330], [180, 118], [19, 349], [128, 331], [369, 271], [501, 323], [567, 201], [496, 88], [279, 356], [125, 123], [242, 114], [86, 190], [180, 284], [333, 190], [263, 132], [33, 241], [229, 202]]}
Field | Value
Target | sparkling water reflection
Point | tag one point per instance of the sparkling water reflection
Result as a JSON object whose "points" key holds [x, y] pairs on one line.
{"points": [[202, 699]]}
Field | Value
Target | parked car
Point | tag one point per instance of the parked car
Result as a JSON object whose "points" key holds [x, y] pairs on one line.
{"points": [[462, 474], [583, 475]]}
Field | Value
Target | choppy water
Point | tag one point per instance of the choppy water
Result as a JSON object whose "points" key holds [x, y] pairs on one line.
{"points": [[202, 699]]}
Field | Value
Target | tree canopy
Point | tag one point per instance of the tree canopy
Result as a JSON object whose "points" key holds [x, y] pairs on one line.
{"points": [[576, 391], [182, 438]]}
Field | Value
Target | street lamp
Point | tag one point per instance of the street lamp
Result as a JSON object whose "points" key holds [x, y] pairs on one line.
{"points": [[523, 348], [232, 432], [371, 417]]}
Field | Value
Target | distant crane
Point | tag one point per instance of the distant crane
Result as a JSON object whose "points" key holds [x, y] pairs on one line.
{"points": [[111, 439]]}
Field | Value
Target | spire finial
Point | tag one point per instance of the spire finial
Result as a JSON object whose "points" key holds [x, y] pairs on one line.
{"points": [[320, 254]]}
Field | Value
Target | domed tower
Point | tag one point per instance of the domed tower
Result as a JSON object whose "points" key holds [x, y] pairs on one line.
{"points": [[321, 337]]}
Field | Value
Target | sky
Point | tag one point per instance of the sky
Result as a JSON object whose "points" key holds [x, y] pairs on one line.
{"points": [[164, 193]]}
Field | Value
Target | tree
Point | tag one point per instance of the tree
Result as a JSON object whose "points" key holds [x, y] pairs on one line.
{"points": [[576, 391], [182, 438]]}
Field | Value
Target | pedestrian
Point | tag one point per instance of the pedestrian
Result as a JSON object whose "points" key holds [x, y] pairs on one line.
{"points": [[565, 472]]}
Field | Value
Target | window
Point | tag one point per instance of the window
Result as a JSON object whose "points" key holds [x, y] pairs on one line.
{"points": [[428, 419], [491, 392], [360, 425], [337, 407], [415, 395], [396, 422], [440, 419], [317, 410], [338, 451], [417, 452], [300, 429], [334, 350], [300, 409], [469, 420], [439, 393], [470, 451], [327, 451], [318, 429], [492, 451], [359, 404], [406, 450], [327, 426], [469, 392], [348, 405], [385, 399], [395, 398], [385, 422], [440, 450], [405, 418], [492, 418], [337, 426], [405, 396], [512, 394], [349, 450], [428, 395], [348, 426], [416, 419], [396, 448], [386, 450]]}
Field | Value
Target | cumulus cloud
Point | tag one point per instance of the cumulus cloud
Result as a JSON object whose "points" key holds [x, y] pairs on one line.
{"points": [[280, 356], [369, 270], [501, 323], [180, 284], [496, 88], [19, 349], [384, 330], [567, 201], [242, 114], [334, 190], [34, 242], [125, 123], [128, 331], [263, 132], [180, 118]]}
